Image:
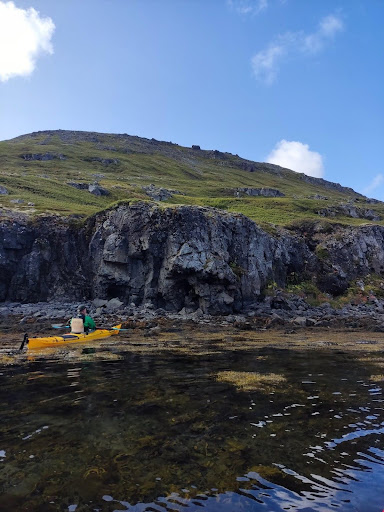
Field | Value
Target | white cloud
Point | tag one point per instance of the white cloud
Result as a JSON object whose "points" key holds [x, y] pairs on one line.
{"points": [[24, 36], [375, 183], [248, 6], [298, 157], [265, 63], [328, 28]]}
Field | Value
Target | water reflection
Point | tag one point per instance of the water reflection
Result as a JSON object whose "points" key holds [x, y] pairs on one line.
{"points": [[163, 432]]}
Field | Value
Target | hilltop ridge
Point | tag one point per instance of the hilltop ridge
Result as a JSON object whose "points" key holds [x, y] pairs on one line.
{"points": [[134, 144], [80, 172]]}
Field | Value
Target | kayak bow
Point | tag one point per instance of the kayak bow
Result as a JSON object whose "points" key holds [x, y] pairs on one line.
{"points": [[54, 341]]}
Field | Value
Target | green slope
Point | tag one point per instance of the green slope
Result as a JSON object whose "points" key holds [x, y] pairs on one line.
{"points": [[123, 164]]}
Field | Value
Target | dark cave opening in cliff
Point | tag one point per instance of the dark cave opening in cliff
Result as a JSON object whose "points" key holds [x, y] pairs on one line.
{"points": [[118, 291], [189, 299], [182, 295]]}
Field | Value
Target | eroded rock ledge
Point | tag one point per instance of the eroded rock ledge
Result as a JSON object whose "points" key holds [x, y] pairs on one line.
{"points": [[174, 258]]}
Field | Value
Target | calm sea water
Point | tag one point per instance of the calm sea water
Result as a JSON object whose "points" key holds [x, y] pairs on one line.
{"points": [[159, 432]]}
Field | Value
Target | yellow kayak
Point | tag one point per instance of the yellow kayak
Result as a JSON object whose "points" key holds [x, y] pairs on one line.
{"points": [[54, 341]]}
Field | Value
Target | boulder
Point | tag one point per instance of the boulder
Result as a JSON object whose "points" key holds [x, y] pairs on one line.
{"points": [[114, 304], [97, 190], [99, 303], [159, 193], [300, 320]]}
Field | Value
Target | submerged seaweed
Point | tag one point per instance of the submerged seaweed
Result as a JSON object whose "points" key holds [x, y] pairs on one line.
{"points": [[225, 430]]}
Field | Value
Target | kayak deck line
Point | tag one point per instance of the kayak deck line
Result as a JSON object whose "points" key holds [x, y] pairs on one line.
{"points": [[54, 341]]}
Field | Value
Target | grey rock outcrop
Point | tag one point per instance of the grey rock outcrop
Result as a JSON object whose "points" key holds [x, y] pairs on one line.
{"points": [[3, 190], [319, 196], [40, 261], [42, 156], [197, 259], [97, 190], [254, 192], [159, 193], [349, 210], [344, 254], [185, 256], [93, 188], [174, 258], [370, 200], [104, 161], [330, 185]]}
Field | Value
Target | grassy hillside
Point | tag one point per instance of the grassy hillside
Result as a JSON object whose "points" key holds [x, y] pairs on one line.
{"points": [[123, 164]]}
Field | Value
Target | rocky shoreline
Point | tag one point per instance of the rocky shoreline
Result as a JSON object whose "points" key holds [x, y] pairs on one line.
{"points": [[280, 311], [143, 265]]}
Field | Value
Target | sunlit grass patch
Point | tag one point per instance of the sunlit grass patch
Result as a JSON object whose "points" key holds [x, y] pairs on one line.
{"points": [[250, 381]]}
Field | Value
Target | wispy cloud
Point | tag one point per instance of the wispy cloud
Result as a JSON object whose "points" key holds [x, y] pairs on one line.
{"points": [[24, 36], [248, 7], [375, 184], [327, 30], [298, 157], [266, 63]]}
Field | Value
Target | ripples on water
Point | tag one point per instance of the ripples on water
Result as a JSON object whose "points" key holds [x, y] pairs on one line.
{"points": [[160, 432]]}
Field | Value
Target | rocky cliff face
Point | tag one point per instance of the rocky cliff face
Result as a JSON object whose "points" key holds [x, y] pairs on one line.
{"points": [[176, 257], [187, 257], [41, 260], [345, 254]]}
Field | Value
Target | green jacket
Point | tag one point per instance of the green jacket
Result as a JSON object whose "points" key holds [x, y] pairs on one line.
{"points": [[89, 324]]}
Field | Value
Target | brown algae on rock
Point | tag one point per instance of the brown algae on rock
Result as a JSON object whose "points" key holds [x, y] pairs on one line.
{"points": [[251, 381]]}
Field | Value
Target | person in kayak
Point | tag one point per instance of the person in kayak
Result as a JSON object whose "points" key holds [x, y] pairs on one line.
{"points": [[89, 323], [83, 322]]}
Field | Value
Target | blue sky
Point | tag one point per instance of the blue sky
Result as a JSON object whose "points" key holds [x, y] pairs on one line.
{"points": [[294, 82]]}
